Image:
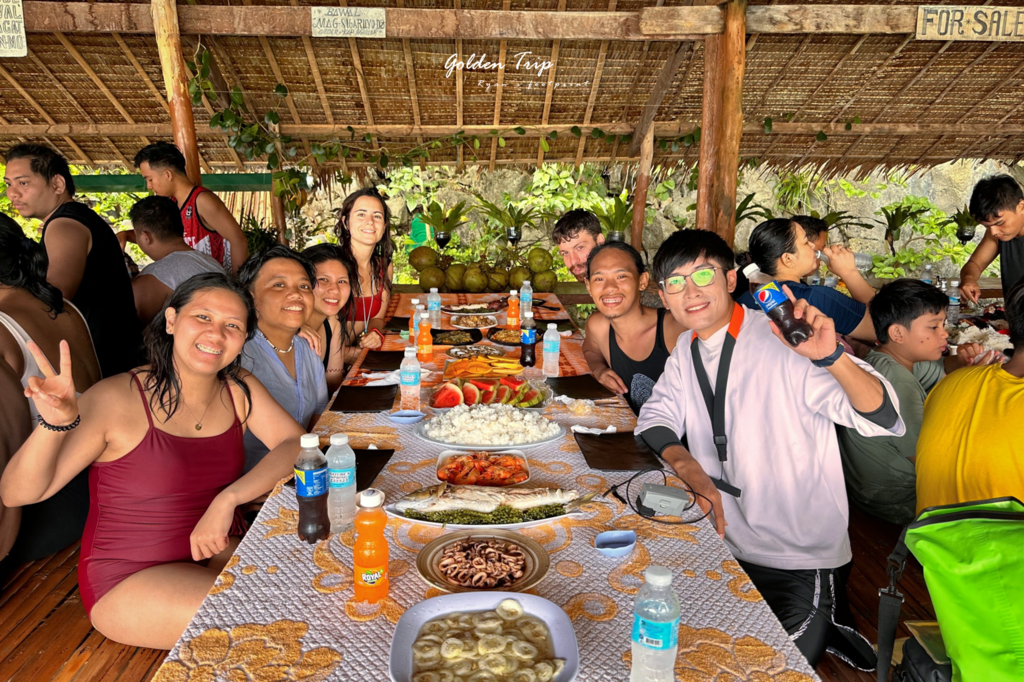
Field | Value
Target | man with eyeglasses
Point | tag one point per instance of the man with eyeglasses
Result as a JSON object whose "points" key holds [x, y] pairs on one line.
{"points": [[626, 343], [759, 417]]}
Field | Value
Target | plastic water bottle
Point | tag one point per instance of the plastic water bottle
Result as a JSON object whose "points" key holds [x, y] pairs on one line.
{"points": [[863, 261], [927, 276], [311, 490], [655, 628], [526, 297], [413, 321], [341, 501], [953, 310], [409, 374], [552, 347], [434, 308], [416, 316]]}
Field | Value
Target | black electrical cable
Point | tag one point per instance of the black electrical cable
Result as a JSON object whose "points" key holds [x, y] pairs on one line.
{"points": [[628, 501]]}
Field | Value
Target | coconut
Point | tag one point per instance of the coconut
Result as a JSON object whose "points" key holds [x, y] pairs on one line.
{"points": [[474, 281], [545, 281], [422, 257], [455, 274], [539, 260], [497, 280], [517, 276], [432, 277]]}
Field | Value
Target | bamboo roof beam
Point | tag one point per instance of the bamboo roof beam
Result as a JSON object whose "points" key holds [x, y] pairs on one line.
{"points": [[91, 73], [784, 71], [221, 55], [209, 110], [458, 90], [644, 50], [598, 68], [357, 66], [314, 68], [867, 81], [685, 78], [410, 74], [502, 47], [555, 46], [661, 87], [142, 72]]}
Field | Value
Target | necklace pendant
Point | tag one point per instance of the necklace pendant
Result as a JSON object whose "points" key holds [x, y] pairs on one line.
{"points": [[199, 427]]}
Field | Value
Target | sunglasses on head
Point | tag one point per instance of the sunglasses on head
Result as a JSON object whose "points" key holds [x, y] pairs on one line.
{"points": [[701, 277]]}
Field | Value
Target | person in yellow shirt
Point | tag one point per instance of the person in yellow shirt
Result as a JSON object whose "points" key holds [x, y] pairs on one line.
{"points": [[970, 446]]}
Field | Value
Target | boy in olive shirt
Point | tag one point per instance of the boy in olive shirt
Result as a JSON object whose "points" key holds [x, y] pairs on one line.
{"points": [[909, 318]]}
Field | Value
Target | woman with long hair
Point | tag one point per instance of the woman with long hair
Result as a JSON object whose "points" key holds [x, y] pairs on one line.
{"points": [[163, 447], [281, 284], [33, 310], [364, 234], [782, 250], [332, 299]]}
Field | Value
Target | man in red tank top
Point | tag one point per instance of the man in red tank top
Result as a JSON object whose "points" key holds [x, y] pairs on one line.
{"points": [[209, 225]]}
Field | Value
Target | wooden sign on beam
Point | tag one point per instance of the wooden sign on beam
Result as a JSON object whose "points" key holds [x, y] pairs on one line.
{"points": [[12, 29], [970, 22], [348, 22]]}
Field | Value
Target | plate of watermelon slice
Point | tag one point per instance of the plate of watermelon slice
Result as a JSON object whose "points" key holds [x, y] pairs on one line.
{"points": [[510, 390]]}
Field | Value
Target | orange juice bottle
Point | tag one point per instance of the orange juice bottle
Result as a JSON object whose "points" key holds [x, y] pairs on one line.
{"points": [[424, 340], [513, 310], [370, 555]]}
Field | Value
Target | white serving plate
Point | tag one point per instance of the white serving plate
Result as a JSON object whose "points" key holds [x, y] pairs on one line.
{"points": [[458, 453], [563, 638], [490, 317], [391, 511], [421, 432]]}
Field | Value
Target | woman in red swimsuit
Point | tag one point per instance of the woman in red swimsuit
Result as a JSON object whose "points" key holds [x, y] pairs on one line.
{"points": [[163, 446], [364, 233]]}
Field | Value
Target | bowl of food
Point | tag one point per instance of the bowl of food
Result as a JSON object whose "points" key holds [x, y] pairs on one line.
{"points": [[491, 469], [469, 352], [506, 337], [474, 321], [489, 427], [469, 633], [481, 560]]}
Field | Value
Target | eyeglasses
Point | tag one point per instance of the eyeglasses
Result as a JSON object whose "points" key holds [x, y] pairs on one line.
{"points": [[701, 277]]}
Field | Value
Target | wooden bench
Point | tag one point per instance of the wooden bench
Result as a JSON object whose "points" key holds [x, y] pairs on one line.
{"points": [[45, 636]]}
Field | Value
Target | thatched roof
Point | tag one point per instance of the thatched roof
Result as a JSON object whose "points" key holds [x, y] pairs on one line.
{"points": [[918, 102]]}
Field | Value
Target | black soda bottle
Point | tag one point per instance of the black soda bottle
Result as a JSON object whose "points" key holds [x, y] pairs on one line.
{"points": [[776, 305], [528, 340], [311, 490]]}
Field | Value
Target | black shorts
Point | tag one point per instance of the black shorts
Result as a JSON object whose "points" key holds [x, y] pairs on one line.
{"points": [[814, 610]]}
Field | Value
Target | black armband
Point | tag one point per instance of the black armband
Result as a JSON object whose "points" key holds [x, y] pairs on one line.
{"points": [[885, 416], [660, 437]]}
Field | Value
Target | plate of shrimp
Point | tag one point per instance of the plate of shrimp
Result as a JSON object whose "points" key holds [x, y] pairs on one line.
{"points": [[493, 469]]}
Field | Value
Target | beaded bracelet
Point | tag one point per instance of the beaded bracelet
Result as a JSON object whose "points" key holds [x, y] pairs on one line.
{"points": [[59, 429]]}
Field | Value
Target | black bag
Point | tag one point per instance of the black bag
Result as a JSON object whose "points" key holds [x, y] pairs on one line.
{"points": [[918, 666]]}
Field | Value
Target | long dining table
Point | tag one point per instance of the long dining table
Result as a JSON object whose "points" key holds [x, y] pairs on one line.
{"points": [[285, 610]]}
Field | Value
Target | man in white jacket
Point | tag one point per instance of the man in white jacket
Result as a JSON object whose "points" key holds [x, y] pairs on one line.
{"points": [[772, 450]]}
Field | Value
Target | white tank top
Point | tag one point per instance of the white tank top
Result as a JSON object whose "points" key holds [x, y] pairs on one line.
{"points": [[31, 366]]}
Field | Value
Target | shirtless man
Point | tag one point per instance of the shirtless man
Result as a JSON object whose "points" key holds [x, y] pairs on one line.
{"points": [[627, 344], [209, 226]]}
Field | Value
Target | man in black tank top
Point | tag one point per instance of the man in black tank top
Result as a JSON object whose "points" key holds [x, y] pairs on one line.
{"points": [[85, 260], [627, 344], [997, 202]]}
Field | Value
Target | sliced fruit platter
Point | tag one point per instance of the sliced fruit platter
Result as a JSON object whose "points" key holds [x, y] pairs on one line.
{"points": [[511, 390], [492, 469], [475, 368]]}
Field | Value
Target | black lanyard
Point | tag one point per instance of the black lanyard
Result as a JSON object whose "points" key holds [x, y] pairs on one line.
{"points": [[715, 401]]}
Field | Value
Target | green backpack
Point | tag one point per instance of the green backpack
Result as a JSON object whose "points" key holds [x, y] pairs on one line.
{"points": [[973, 559]]}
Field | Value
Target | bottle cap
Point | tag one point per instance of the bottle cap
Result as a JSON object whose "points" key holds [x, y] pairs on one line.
{"points": [[424, 316], [513, 292], [309, 440], [955, 283], [525, 282], [410, 351], [415, 302], [656, 576], [433, 290], [371, 497], [551, 325], [528, 313], [339, 439], [750, 270]]}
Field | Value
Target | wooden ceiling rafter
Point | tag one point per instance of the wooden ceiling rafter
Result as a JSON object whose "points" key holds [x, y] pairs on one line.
{"points": [[209, 110], [644, 51], [598, 69], [661, 87], [502, 51], [410, 74], [42, 112], [314, 68], [357, 66], [458, 90], [784, 71], [550, 91]]}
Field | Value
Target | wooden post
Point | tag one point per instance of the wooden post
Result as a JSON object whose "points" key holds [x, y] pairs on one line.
{"points": [[643, 179], [168, 42], [722, 123], [280, 221]]}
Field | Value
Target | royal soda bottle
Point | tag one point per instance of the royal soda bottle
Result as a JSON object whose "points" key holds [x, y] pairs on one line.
{"points": [[370, 554], [311, 490]]}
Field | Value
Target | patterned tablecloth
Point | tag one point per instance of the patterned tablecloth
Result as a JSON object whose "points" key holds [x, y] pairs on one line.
{"points": [[284, 610]]}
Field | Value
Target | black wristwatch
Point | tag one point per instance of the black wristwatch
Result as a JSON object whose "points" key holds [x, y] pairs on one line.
{"points": [[830, 360]]}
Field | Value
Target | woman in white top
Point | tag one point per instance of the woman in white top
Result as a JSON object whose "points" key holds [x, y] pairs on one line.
{"points": [[31, 309]]}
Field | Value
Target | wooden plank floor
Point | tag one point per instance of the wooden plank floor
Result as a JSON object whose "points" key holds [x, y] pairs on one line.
{"points": [[46, 637]]}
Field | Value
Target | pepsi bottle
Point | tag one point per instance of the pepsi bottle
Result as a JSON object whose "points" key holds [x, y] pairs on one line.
{"points": [[776, 305], [311, 490]]}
